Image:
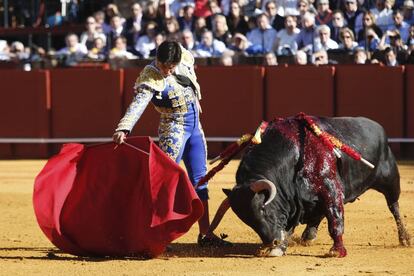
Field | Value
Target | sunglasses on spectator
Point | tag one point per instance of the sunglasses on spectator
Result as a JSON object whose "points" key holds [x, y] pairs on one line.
{"points": [[346, 36], [319, 58], [349, 2]]}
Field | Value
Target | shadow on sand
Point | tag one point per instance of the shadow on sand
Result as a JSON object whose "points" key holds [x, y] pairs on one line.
{"points": [[175, 250]]}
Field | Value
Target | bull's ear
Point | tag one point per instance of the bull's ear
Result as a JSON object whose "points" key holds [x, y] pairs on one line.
{"points": [[227, 192]]}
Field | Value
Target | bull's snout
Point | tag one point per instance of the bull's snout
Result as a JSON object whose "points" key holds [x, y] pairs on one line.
{"points": [[270, 250]]}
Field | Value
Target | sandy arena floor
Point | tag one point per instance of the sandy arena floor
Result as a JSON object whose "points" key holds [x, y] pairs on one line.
{"points": [[370, 238]]}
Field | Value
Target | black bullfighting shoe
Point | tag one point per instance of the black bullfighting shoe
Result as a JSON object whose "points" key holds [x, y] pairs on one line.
{"points": [[213, 241]]}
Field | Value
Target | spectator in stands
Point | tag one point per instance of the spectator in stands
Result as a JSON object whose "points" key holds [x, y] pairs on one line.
{"points": [[209, 47], [226, 58], [324, 41], [199, 25], [338, 22], [187, 20], [305, 38], [368, 21], [101, 26], [117, 30], [407, 11], [320, 58], [348, 43], [251, 8], [119, 51], [4, 50], [98, 51], [371, 42], [301, 58], [290, 7], [164, 11], [270, 59], [177, 6], [383, 13], [18, 52], [187, 40], [400, 25], [112, 10], [236, 21], [390, 57], [239, 44], [393, 40], [360, 56], [324, 13], [172, 29], [285, 43], [303, 8], [134, 25], [275, 20], [73, 52], [353, 15], [263, 37], [151, 13], [410, 40], [214, 9], [55, 19], [221, 30], [159, 38], [88, 37], [146, 42], [73, 12]]}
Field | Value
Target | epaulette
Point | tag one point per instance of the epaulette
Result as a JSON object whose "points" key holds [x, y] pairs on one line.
{"points": [[152, 78], [186, 57]]}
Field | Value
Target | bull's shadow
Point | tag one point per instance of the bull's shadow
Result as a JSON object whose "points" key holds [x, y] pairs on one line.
{"points": [[191, 250]]}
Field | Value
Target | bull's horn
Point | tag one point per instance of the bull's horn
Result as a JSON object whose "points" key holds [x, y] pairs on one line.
{"points": [[264, 184]]}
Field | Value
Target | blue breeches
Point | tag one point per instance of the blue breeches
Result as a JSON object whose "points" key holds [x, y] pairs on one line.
{"points": [[182, 138]]}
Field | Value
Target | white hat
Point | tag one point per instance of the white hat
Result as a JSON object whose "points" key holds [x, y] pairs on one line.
{"points": [[408, 4]]}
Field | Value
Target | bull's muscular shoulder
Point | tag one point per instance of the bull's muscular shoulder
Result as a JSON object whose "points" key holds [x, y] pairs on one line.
{"points": [[352, 123]]}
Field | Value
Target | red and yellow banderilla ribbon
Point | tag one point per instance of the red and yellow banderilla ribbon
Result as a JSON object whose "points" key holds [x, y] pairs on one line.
{"points": [[232, 150], [334, 143]]}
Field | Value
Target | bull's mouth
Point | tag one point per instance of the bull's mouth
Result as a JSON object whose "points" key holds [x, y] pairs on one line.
{"points": [[272, 249]]}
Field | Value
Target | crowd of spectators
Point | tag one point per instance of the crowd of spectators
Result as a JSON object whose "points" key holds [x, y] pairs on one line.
{"points": [[306, 31]]}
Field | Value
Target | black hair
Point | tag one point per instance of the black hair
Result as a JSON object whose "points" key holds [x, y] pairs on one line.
{"points": [[169, 52]]}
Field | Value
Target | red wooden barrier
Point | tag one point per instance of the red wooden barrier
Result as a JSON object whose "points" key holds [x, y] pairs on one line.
{"points": [[85, 102], [408, 149], [293, 89], [148, 124], [409, 88], [374, 92], [24, 105], [232, 99]]}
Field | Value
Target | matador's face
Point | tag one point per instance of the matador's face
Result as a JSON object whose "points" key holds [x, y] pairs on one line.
{"points": [[166, 69]]}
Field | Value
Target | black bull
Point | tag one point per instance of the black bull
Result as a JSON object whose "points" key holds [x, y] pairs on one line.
{"points": [[292, 178]]}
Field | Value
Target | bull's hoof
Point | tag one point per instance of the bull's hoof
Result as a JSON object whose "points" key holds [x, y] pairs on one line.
{"points": [[405, 239], [336, 252], [306, 242]]}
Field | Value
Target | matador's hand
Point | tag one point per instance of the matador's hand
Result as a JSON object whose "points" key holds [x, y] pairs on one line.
{"points": [[119, 137]]}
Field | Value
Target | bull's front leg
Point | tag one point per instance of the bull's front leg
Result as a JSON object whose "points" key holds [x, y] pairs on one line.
{"points": [[333, 198]]}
